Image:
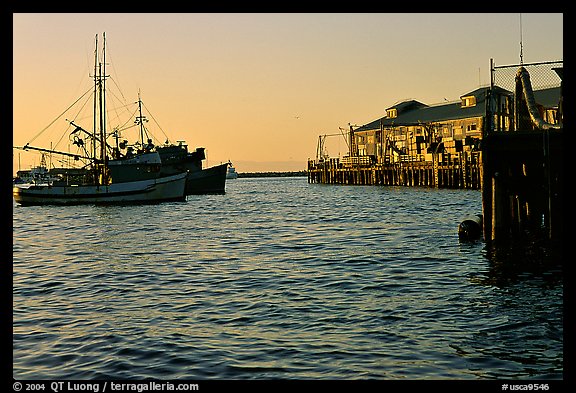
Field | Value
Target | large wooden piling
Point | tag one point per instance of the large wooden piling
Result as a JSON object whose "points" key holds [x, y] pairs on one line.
{"points": [[523, 177]]}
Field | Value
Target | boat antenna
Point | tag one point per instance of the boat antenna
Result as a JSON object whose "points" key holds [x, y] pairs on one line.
{"points": [[521, 48]]}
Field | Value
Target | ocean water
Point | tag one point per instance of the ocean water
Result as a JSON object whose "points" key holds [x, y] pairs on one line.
{"points": [[280, 279]]}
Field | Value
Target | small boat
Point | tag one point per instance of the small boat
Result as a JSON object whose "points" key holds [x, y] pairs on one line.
{"points": [[104, 178], [231, 172], [35, 175]]}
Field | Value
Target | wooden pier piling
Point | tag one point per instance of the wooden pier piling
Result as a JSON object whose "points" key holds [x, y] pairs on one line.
{"points": [[523, 180], [454, 171]]}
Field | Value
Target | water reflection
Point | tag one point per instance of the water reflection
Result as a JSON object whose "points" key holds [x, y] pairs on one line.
{"points": [[526, 339], [511, 263]]}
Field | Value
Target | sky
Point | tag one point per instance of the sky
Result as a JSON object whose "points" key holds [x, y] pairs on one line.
{"points": [[258, 89]]}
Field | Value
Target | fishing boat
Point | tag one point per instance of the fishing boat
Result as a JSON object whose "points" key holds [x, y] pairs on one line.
{"points": [[163, 189], [174, 158], [103, 178]]}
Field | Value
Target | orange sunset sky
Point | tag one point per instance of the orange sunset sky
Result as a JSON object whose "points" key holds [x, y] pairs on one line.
{"points": [[259, 88]]}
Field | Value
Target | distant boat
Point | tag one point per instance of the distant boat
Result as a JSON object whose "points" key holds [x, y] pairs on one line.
{"points": [[102, 179], [35, 175], [231, 173]]}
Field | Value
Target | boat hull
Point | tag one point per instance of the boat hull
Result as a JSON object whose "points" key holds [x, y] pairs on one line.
{"points": [[169, 188], [176, 158], [207, 181]]}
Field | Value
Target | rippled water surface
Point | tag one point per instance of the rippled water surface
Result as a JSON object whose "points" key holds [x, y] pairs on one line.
{"points": [[279, 279]]}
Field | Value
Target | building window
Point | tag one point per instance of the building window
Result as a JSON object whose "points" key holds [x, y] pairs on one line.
{"points": [[468, 101], [392, 113]]}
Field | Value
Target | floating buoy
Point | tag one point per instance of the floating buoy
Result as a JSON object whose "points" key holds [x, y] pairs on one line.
{"points": [[470, 228]]}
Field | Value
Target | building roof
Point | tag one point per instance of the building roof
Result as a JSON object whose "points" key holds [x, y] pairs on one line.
{"points": [[548, 98], [408, 105], [413, 112]]}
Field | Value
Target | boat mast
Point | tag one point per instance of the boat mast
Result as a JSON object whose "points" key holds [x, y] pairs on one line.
{"points": [[140, 120], [94, 149], [102, 75], [102, 108], [100, 102], [104, 155]]}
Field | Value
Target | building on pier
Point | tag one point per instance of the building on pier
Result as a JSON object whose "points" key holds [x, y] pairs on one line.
{"points": [[416, 144]]}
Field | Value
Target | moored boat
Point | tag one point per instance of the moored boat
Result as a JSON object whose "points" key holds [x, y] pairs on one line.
{"points": [[175, 158], [104, 177], [162, 189], [207, 181]]}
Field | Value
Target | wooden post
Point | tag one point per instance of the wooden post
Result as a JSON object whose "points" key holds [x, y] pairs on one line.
{"points": [[435, 170]]}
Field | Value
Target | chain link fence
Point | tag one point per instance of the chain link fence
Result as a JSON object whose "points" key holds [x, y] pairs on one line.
{"points": [[542, 75], [507, 111]]}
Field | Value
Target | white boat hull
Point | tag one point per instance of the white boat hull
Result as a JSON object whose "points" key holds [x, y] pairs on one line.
{"points": [[169, 188], [231, 173]]}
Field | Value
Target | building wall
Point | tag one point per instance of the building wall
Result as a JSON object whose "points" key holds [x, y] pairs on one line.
{"points": [[417, 141]]}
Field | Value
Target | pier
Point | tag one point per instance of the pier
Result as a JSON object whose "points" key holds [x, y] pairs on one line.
{"points": [[455, 171], [505, 139]]}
